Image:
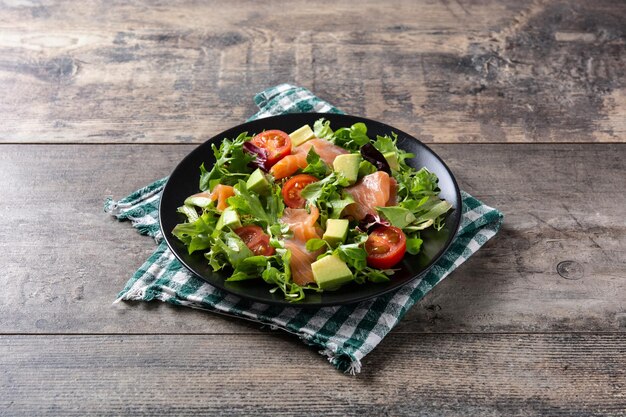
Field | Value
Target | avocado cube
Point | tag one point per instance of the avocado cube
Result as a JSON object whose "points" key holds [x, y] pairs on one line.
{"points": [[301, 135], [330, 273], [228, 218], [336, 231], [348, 165], [392, 160], [258, 183]]}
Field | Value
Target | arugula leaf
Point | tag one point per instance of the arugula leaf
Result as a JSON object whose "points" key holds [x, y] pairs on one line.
{"points": [[231, 164], [207, 177], [196, 235]]}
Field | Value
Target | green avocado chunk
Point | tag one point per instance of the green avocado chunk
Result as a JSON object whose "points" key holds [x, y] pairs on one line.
{"points": [[348, 165], [258, 183], [330, 273], [301, 135], [392, 160], [336, 231], [229, 218]]}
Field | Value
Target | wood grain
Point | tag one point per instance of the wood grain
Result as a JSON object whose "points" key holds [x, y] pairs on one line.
{"points": [[408, 375], [64, 260], [181, 71]]}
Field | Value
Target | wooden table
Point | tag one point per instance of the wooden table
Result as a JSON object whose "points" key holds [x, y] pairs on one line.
{"points": [[526, 101]]}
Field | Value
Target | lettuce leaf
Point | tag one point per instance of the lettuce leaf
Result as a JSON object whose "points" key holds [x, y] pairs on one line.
{"points": [[196, 235], [231, 164], [226, 249]]}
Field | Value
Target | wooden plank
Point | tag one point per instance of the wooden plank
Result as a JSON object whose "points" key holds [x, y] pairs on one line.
{"points": [[64, 260], [480, 71], [464, 375]]}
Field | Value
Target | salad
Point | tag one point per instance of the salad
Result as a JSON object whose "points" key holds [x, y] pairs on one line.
{"points": [[311, 210]]}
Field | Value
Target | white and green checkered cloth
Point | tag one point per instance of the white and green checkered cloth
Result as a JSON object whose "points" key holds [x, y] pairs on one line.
{"points": [[344, 334]]}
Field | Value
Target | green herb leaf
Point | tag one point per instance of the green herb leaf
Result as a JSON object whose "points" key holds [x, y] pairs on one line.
{"points": [[250, 268], [353, 254], [313, 245], [413, 245], [196, 235], [397, 216], [322, 129], [376, 275], [247, 202], [231, 164], [189, 211], [339, 205], [351, 138], [366, 168], [227, 247], [316, 165], [437, 210], [388, 143]]}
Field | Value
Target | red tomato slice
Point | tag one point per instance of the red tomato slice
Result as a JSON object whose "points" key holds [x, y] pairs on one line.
{"points": [[385, 247], [256, 240], [277, 144], [293, 188]]}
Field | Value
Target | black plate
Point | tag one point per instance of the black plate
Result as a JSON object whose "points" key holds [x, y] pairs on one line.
{"points": [[184, 182]]}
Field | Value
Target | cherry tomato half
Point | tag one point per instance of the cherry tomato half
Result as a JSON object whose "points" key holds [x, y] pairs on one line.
{"points": [[277, 144], [293, 188], [385, 247], [256, 240]]}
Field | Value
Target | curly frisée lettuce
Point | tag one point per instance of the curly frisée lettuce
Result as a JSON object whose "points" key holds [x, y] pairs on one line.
{"points": [[247, 238]]}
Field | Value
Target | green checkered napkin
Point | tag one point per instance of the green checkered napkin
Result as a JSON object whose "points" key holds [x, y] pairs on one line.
{"points": [[344, 334]]}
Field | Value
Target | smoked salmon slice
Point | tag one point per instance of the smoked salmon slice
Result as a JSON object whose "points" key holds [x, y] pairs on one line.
{"points": [[220, 193], [304, 227], [300, 263], [301, 223], [373, 190], [326, 150], [393, 192], [288, 166]]}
